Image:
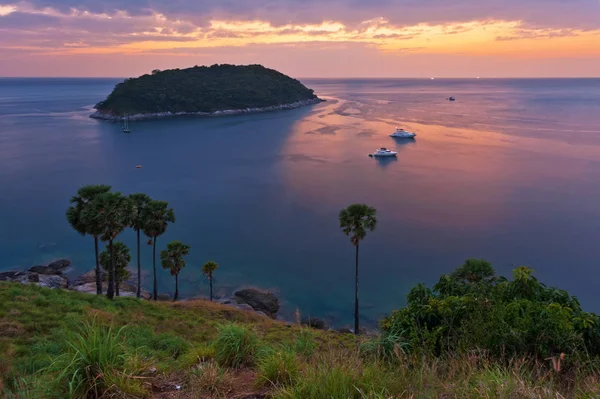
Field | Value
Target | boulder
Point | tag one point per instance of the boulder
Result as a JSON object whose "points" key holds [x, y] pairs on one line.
{"points": [[43, 280], [55, 267], [314, 322], [60, 264], [52, 281], [90, 277], [260, 301], [164, 297], [244, 306]]}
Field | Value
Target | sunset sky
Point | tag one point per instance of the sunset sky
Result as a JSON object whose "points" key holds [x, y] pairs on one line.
{"points": [[303, 38]]}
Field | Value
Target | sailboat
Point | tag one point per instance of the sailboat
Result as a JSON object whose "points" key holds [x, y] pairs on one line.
{"points": [[126, 125]]}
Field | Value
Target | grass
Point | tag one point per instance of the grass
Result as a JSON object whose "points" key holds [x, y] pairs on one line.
{"points": [[59, 344], [278, 368], [236, 345]]}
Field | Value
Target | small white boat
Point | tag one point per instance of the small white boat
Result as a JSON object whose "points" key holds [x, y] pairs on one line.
{"points": [[403, 134], [383, 152], [126, 125]]}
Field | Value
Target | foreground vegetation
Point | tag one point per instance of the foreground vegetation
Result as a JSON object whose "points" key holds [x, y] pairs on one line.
{"points": [[475, 335], [204, 89]]}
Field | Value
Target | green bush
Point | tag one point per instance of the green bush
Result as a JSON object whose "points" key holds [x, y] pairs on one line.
{"points": [[278, 368], [473, 309], [236, 345]]}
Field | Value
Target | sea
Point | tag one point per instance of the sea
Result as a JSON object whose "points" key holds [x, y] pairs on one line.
{"points": [[509, 172]]}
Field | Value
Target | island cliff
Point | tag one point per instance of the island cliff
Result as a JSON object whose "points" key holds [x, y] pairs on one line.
{"points": [[204, 91]]}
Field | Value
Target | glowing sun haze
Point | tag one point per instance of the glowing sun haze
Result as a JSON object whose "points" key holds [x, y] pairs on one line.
{"points": [[303, 38]]}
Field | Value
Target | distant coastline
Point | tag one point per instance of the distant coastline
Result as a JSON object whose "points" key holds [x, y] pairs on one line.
{"points": [[227, 112]]}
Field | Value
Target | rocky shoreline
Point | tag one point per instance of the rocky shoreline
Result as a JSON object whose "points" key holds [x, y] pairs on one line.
{"points": [[53, 276], [227, 112]]}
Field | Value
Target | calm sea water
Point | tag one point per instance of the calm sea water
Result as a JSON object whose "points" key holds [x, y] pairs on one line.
{"points": [[510, 172]]}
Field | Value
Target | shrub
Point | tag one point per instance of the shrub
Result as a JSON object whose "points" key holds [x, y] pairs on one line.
{"points": [[279, 368], [473, 309], [236, 345]]}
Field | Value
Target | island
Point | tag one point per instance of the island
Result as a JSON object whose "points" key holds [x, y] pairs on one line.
{"points": [[204, 91]]}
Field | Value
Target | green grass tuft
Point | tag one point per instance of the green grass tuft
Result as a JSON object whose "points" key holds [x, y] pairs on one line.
{"points": [[236, 345], [280, 368]]}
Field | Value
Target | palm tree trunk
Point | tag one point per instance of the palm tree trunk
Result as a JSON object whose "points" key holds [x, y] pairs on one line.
{"points": [[155, 292], [176, 287], [98, 277], [210, 281], [117, 287], [110, 293], [356, 329], [139, 278]]}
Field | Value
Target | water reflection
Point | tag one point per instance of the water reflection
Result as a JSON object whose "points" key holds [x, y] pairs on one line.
{"points": [[384, 162]]}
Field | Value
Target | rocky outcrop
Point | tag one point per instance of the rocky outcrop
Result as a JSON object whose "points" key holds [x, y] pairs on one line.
{"points": [[260, 301], [314, 322], [43, 280], [56, 267], [45, 276], [87, 283]]}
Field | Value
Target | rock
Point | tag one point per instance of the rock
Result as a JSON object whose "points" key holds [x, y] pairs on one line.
{"points": [[314, 322], [164, 297], [244, 306], [60, 264], [10, 276], [225, 301], [87, 283], [260, 301], [43, 280], [344, 330], [52, 281], [89, 277], [262, 314], [55, 267]]}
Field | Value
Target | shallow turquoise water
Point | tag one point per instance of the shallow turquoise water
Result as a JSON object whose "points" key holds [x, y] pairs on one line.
{"points": [[509, 172]]}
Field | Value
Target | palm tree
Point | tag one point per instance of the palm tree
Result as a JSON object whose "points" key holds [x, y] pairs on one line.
{"points": [[140, 202], [157, 216], [79, 203], [208, 269], [113, 212], [172, 259], [122, 258], [355, 221]]}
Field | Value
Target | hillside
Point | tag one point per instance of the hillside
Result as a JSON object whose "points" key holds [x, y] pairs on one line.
{"points": [[60, 344], [204, 90]]}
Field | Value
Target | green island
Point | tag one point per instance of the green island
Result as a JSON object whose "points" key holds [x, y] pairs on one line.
{"points": [[201, 90], [474, 334]]}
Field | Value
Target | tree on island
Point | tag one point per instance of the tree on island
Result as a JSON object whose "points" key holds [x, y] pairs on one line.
{"points": [[75, 217], [113, 212], [140, 202], [157, 215], [208, 269], [355, 221], [122, 258], [172, 259]]}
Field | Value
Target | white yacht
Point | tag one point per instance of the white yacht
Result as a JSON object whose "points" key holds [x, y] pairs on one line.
{"points": [[403, 134], [383, 152]]}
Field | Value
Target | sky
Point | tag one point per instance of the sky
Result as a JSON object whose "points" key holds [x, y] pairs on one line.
{"points": [[303, 38]]}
